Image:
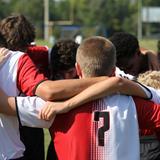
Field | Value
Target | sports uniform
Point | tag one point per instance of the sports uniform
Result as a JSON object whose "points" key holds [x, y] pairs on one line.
{"points": [[103, 129], [155, 94], [18, 74], [120, 73], [39, 55], [27, 112], [149, 144]]}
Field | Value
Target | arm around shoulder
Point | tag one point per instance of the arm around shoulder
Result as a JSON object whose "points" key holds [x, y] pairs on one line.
{"points": [[64, 89]]}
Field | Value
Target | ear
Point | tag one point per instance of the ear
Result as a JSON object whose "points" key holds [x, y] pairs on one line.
{"points": [[78, 69]]}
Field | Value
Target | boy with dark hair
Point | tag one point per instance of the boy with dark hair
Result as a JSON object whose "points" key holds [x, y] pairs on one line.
{"points": [[62, 59], [18, 32], [134, 60], [62, 66], [130, 57]]}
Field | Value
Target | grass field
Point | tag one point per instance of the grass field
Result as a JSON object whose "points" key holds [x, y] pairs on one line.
{"points": [[146, 43], [47, 139], [46, 132], [149, 44]]}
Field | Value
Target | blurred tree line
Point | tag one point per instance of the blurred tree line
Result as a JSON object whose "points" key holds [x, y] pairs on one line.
{"points": [[96, 16]]}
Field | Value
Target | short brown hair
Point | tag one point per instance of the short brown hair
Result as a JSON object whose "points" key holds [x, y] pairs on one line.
{"points": [[96, 56], [150, 78], [2, 41], [17, 31]]}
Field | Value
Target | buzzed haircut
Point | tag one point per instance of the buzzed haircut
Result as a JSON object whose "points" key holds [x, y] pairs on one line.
{"points": [[150, 78], [17, 31], [96, 56]]}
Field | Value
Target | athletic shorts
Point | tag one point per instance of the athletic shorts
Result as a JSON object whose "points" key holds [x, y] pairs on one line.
{"points": [[149, 148]]}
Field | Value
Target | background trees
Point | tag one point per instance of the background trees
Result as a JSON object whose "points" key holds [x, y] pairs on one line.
{"points": [[102, 17]]}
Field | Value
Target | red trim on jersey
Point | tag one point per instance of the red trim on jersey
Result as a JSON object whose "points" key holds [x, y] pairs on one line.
{"points": [[40, 57], [28, 76], [68, 129], [148, 116], [67, 126]]}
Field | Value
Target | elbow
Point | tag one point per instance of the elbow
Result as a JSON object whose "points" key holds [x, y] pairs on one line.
{"points": [[119, 84], [119, 81], [44, 92], [47, 96], [50, 94], [50, 91]]}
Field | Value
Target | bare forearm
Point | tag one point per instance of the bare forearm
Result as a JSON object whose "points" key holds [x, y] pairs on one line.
{"points": [[101, 89], [107, 87], [64, 89], [129, 87], [7, 104]]}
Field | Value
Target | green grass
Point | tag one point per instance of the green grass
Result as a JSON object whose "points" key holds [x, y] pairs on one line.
{"points": [[149, 44], [43, 43], [146, 43], [46, 140]]}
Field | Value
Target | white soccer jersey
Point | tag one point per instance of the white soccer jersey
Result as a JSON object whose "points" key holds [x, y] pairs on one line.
{"points": [[28, 109], [18, 71], [120, 73], [122, 131], [121, 139], [106, 129], [10, 143], [155, 94], [152, 93]]}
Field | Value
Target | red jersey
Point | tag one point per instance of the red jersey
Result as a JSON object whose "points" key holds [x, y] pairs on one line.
{"points": [[40, 57], [74, 134]]}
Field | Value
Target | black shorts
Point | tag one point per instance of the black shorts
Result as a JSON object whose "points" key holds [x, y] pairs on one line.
{"points": [[149, 148], [22, 158], [33, 139], [51, 153]]}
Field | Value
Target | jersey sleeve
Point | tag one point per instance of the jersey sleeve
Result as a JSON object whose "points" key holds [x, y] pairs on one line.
{"points": [[40, 57], [28, 76], [155, 95], [120, 73], [28, 109], [146, 90], [152, 93], [148, 114]]}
